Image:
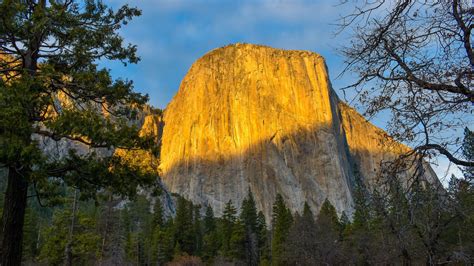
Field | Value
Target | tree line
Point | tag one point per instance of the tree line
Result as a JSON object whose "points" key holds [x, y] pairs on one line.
{"points": [[423, 226]]}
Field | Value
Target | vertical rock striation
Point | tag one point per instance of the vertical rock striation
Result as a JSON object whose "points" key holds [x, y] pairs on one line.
{"points": [[249, 116], [255, 117]]}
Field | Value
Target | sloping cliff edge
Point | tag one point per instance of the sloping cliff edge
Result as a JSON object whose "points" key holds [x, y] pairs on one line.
{"points": [[254, 117]]}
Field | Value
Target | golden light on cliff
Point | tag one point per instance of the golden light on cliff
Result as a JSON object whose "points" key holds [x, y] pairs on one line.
{"points": [[249, 116]]}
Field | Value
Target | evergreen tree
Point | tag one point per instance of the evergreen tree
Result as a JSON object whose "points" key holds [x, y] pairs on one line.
{"points": [[113, 251], [229, 213], [197, 231], [428, 219], [163, 243], [209, 220], [328, 216], [227, 225], [464, 202], [328, 234], [157, 240], [263, 240], [107, 224], [31, 230], [468, 154], [281, 223], [459, 235], [356, 235], [307, 213], [50, 50], [301, 247], [85, 244], [361, 205], [248, 216], [391, 220], [456, 217], [238, 242], [344, 222], [158, 214], [211, 238], [183, 222], [141, 229]]}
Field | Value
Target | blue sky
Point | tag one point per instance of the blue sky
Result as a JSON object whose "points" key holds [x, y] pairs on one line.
{"points": [[172, 34]]}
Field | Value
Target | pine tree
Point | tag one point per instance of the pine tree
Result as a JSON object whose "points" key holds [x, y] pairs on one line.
{"points": [[183, 222], [49, 52], [209, 220], [114, 252], [237, 242], [163, 243], [464, 200], [158, 214], [227, 225], [85, 244], [31, 234], [141, 230], [468, 154], [211, 238], [361, 206], [390, 223], [328, 215], [248, 213], [357, 237], [344, 222], [301, 245], [328, 232], [281, 223], [307, 213], [197, 231], [459, 235], [263, 240], [106, 224], [248, 216]]}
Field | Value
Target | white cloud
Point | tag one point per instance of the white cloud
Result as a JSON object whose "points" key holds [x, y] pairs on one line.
{"points": [[171, 34]]}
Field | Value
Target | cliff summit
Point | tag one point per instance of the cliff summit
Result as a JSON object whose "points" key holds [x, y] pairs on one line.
{"points": [[249, 116]]}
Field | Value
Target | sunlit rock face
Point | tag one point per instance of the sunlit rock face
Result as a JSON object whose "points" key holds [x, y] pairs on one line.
{"points": [[368, 145], [255, 117]]}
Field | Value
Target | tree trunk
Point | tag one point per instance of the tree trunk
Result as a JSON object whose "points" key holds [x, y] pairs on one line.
{"points": [[17, 190], [68, 249], [13, 218], [107, 228]]}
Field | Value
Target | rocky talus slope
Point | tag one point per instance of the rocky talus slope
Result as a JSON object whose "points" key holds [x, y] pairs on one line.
{"points": [[249, 116]]}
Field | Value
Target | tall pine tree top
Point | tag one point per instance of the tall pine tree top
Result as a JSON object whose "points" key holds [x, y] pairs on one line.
{"points": [[307, 213], [281, 224], [281, 216], [248, 214], [328, 216], [209, 220], [229, 212]]}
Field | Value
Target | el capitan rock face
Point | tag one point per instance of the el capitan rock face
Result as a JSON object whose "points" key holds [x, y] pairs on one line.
{"points": [[249, 116]]}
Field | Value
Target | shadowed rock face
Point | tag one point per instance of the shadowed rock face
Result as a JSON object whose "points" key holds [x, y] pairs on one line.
{"points": [[255, 117]]}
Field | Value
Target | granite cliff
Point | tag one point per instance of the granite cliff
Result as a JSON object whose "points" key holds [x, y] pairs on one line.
{"points": [[249, 116]]}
